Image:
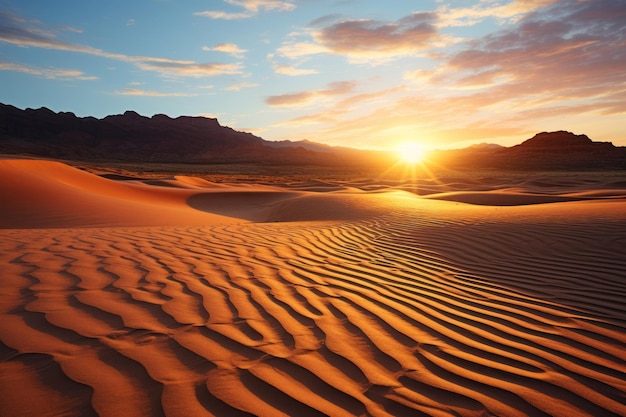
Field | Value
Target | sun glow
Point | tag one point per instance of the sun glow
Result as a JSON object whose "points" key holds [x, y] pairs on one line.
{"points": [[411, 153]]}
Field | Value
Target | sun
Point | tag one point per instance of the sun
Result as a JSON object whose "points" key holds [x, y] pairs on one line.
{"points": [[411, 153]]}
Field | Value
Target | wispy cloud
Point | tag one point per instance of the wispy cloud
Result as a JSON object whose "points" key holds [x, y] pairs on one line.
{"points": [[295, 50], [188, 68], [240, 86], [227, 48], [342, 109], [17, 31], [50, 73], [212, 14], [307, 97], [251, 7], [71, 29], [138, 92], [288, 69], [309, 119], [469, 16], [256, 5]]}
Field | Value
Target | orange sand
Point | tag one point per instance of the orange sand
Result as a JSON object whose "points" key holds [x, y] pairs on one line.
{"points": [[181, 297]]}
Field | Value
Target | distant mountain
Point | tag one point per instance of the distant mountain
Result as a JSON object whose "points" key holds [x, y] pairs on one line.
{"points": [[485, 147], [564, 150], [558, 140], [136, 138], [559, 150], [130, 137], [306, 144]]}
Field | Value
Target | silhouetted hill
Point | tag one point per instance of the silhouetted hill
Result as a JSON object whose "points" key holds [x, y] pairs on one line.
{"points": [[564, 150], [132, 137], [556, 140], [545, 151]]}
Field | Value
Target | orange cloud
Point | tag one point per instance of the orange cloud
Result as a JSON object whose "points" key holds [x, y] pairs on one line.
{"points": [[189, 69], [137, 92], [289, 70], [255, 5], [228, 48], [288, 100], [240, 86], [212, 14], [307, 97], [51, 73], [342, 107], [310, 119], [469, 16], [251, 7]]}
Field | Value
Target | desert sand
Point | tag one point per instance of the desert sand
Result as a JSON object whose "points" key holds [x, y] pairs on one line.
{"points": [[180, 296]]}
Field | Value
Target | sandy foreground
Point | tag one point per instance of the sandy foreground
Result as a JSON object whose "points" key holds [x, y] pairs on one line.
{"points": [[183, 297]]}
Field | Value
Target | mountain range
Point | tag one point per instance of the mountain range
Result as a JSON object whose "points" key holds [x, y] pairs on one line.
{"points": [[130, 137]]}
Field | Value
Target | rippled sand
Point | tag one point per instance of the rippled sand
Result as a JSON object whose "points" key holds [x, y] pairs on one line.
{"points": [[202, 299]]}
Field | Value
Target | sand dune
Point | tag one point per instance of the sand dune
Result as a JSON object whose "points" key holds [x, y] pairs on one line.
{"points": [[203, 299]]}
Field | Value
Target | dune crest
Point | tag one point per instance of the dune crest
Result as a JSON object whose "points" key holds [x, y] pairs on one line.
{"points": [[51, 194]]}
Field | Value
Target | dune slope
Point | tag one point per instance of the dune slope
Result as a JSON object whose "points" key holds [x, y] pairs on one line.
{"points": [[395, 305]]}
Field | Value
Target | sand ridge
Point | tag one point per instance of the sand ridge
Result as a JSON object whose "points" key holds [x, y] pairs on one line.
{"points": [[46, 194], [343, 302]]}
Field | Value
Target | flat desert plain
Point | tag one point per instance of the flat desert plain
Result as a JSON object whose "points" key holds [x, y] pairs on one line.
{"points": [[124, 295]]}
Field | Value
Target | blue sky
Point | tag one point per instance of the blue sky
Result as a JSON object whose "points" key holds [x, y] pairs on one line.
{"points": [[367, 74]]}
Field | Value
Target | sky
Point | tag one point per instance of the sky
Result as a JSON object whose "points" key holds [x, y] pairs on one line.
{"points": [[360, 73]]}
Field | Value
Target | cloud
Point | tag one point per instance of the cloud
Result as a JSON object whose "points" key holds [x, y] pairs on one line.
{"points": [[289, 70], [390, 122], [138, 92], [370, 39], [255, 5], [189, 69], [310, 119], [17, 31], [343, 107], [555, 64], [223, 15], [359, 100], [50, 73], [324, 20], [240, 86], [71, 29], [469, 16], [567, 51], [288, 100], [228, 48], [251, 7], [307, 97], [299, 49]]}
